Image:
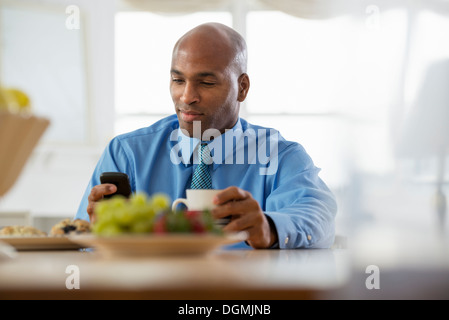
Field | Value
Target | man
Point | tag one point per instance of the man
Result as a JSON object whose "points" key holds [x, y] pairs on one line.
{"points": [[279, 200]]}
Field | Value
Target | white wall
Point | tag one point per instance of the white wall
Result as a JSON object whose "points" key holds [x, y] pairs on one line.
{"points": [[55, 177]]}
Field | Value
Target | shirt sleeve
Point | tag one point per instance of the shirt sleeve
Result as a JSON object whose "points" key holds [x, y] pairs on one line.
{"points": [[113, 159], [300, 204]]}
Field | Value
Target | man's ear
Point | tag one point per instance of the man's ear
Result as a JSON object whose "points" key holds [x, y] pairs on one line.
{"points": [[243, 87]]}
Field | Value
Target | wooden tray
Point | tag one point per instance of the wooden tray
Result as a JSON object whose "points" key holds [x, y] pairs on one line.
{"points": [[41, 243], [155, 244]]}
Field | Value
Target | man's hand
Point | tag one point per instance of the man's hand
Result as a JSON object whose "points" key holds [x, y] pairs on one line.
{"points": [[97, 194], [246, 216]]}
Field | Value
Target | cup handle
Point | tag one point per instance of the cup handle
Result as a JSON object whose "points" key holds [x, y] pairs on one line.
{"points": [[178, 201]]}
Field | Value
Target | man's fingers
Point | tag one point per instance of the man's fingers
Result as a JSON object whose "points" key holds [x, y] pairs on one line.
{"points": [[239, 223], [231, 208], [230, 193], [100, 190], [97, 194]]}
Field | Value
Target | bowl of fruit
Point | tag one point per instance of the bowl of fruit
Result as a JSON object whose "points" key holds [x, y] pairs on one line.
{"points": [[143, 225]]}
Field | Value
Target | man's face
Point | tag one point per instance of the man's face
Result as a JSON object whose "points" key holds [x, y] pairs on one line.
{"points": [[204, 87]]}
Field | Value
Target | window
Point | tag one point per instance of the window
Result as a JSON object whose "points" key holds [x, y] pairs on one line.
{"points": [[318, 80], [428, 45], [330, 84], [53, 76]]}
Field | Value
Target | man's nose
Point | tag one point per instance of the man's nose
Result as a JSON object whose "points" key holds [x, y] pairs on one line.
{"points": [[190, 94]]}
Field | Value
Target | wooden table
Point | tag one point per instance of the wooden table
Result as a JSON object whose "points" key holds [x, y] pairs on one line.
{"points": [[221, 274], [408, 267]]}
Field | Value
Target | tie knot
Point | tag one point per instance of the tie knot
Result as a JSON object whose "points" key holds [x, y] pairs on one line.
{"points": [[204, 154]]}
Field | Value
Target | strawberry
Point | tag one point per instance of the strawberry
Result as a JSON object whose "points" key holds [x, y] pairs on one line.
{"points": [[193, 214], [160, 226], [198, 226]]}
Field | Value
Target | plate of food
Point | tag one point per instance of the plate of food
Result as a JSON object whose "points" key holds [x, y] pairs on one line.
{"points": [[30, 238], [142, 226]]}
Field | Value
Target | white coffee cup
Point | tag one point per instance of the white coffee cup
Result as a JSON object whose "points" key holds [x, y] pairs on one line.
{"points": [[200, 200], [197, 199]]}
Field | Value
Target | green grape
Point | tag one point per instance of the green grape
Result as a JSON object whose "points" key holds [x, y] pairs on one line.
{"points": [[119, 215], [138, 199], [142, 226], [124, 217], [101, 209], [160, 202], [111, 230], [106, 229], [141, 214]]}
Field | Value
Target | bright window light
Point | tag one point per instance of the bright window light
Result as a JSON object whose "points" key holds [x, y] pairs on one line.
{"points": [[331, 84], [429, 45]]}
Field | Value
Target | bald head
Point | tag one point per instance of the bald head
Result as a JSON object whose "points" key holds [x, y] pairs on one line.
{"points": [[215, 40]]}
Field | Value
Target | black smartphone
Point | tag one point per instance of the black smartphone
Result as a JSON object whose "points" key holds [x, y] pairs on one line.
{"points": [[120, 179]]}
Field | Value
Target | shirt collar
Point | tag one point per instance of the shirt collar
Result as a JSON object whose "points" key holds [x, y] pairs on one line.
{"points": [[188, 145]]}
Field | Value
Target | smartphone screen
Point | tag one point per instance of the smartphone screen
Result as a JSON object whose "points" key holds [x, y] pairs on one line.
{"points": [[119, 179]]}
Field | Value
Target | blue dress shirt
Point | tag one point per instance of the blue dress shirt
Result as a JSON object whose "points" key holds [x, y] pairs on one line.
{"points": [[278, 173]]}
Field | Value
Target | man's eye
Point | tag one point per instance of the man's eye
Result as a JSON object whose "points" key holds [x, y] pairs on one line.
{"points": [[208, 84], [179, 81]]}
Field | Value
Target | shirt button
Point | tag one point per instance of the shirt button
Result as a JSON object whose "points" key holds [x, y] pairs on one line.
{"points": [[286, 240], [309, 237]]}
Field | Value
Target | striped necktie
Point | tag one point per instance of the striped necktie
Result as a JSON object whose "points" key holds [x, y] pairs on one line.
{"points": [[201, 177]]}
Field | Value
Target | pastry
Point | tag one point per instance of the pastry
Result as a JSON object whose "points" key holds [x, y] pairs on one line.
{"points": [[68, 226], [21, 231]]}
